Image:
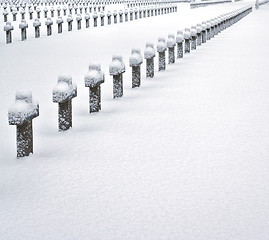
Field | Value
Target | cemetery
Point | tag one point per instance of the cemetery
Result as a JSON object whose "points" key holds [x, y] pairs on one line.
{"points": [[118, 116]]}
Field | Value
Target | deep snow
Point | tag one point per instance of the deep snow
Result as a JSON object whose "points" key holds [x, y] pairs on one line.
{"points": [[185, 156]]}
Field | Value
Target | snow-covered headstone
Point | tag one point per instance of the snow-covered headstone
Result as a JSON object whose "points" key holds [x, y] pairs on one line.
{"points": [[222, 23], [93, 80], [58, 11], [14, 14], [64, 9], [45, 12], [208, 30], [70, 9], [187, 36], [59, 22], [69, 22], [144, 12], [179, 41], [87, 19], [30, 13], [95, 16], [52, 12], [156, 11], [8, 28], [120, 15], [79, 18], [126, 15], [76, 9], [140, 12], [217, 26], [21, 114], [5, 14], [116, 69], [151, 11], [161, 48], [212, 30], [49, 23], [149, 54], [203, 32], [171, 43], [36, 25], [193, 37], [38, 12], [115, 13], [108, 18], [199, 34], [131, 14], [135, 61], [63, 94], [135, 13], [23, 14], [23, 26]]}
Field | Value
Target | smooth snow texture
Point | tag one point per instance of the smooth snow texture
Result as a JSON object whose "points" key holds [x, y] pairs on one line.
{"points": [[184, 156]]}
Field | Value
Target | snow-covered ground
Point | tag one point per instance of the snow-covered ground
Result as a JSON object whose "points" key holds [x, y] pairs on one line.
{"points": [[185, 156]]}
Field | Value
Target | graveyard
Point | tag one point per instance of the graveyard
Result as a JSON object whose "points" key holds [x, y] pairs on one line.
{"points": [[134, 120]]}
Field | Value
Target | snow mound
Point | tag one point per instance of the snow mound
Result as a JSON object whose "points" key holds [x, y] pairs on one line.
{"points": [[161, 45], [117, 66], [23, 109], [193, 32], [59, 20], [8, 26], [136, 58], [64, 90], [78, 18], [37, 23], [187, 35], [149, 51], [23, 24], [69, 18], [95, 76], [49, 22], [171, 41]]}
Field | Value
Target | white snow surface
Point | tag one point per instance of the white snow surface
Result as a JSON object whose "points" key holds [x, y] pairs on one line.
{"points": [[184, 156]]}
